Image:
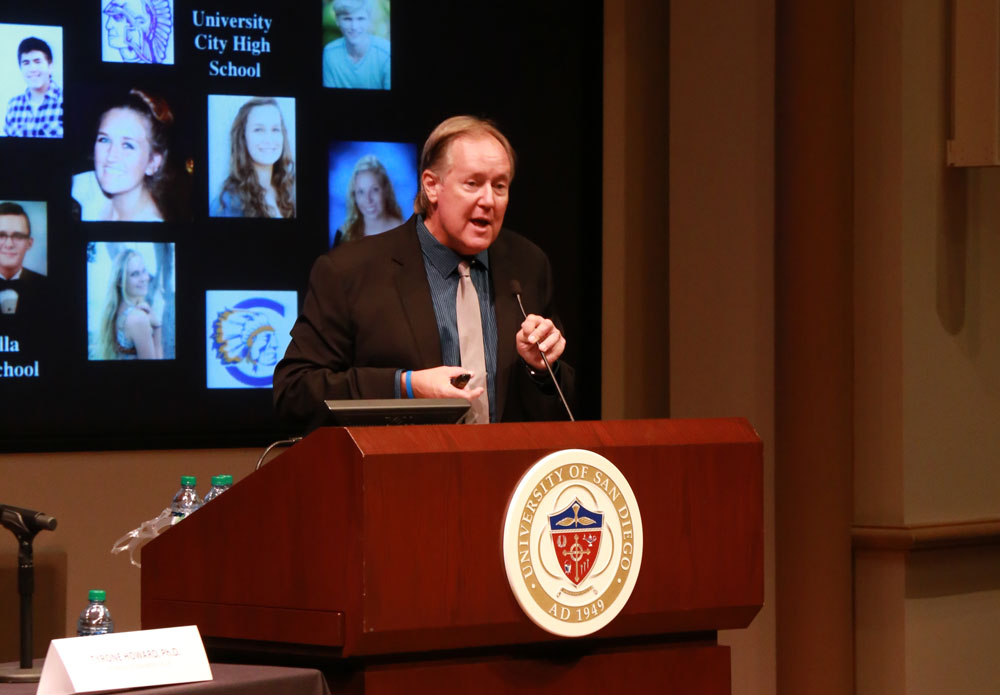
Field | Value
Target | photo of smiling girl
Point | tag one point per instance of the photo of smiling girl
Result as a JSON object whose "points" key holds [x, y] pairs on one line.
{"points": [[371, 187], [130, 301], [251, 156], [130, 172]]}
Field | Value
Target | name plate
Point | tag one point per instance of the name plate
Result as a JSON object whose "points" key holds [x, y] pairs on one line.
{"points": [[124, 660]]}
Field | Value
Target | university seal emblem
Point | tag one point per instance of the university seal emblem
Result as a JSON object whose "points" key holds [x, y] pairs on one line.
{"points": [[572, 542]]}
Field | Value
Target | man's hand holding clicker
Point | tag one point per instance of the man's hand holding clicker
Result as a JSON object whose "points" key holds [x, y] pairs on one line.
{"points": [[436, 383]]}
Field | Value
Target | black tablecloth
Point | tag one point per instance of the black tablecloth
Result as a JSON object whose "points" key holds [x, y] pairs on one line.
{"points": [[229, 679]]}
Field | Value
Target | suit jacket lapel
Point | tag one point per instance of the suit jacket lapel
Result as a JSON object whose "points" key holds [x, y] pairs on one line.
{"points": [[415, 297], [508, 317]]}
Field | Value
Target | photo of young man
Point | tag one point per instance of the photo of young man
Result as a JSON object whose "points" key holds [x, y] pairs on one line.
{"points": [[21, 288], [360, 57], [37, 112]]}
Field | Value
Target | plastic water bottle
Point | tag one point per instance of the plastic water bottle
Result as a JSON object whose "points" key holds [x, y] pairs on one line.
{"points": [[220, 483], [95, 618], [186, 501]]}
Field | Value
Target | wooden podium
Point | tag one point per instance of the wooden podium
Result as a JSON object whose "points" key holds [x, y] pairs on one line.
{"points": [[377, 551]]}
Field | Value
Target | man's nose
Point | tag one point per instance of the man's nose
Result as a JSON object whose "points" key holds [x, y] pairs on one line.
{"points": [[486, 196]]}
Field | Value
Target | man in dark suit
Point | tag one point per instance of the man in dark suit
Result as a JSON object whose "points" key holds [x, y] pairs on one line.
{"points": [[19, 287], [380, 317]]}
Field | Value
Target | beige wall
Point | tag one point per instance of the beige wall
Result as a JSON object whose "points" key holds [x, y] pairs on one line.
{"points": [[96, 497], [927, 375], [696, 340], [721, 256], [951, 403], [635, 333]]}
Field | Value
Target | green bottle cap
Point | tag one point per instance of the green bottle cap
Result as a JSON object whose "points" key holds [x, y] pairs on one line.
{"points": [[189, 480], [218, 480], [97, 595]]}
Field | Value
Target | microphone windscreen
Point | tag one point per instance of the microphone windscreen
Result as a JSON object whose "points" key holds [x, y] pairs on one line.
{"points": [[515, 286], [45, 521]]}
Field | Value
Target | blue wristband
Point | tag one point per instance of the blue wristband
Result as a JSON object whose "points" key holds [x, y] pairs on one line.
{"points": [[409, 386]]}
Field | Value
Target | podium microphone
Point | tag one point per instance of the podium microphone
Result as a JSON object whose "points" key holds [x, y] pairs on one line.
{"points": [[515, 288]]}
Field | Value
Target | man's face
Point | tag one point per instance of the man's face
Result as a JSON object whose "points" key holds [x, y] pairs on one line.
{"points": [[355, 26], [469, 202], [35, 68], [14, 243]]}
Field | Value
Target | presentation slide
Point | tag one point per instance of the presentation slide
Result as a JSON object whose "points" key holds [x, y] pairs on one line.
{"points": [[171, 170]]}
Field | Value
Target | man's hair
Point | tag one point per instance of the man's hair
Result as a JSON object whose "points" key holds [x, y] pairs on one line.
{"points": [[33, 44], [352, 7], [437, 149], [15, 209]]}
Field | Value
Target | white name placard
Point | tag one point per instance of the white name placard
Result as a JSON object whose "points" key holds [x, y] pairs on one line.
{"points": [[124, 660]]}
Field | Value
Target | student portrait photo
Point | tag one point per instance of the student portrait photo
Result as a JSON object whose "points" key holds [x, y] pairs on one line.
{"points": [[23, 262], [132, 179], [130, 301], [137, 31], [31, 70], [372, 186], [356, 50], [251, 156]]}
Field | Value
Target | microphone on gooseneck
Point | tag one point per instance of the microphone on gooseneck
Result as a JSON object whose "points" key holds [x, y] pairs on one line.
{"points": [[515, 288]]}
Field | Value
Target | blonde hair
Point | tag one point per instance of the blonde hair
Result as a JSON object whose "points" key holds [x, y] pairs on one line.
{"points": [[107, 340], [351, 7], [436, 153]]}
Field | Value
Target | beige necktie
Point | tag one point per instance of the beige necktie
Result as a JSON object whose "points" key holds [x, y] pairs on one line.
{"points": [[470, 342]]}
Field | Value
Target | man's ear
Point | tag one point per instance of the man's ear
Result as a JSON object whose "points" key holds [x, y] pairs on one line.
{"points": [[431, 184]]}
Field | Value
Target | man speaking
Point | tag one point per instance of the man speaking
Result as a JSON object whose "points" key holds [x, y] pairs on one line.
{"points": [[399, 315]]}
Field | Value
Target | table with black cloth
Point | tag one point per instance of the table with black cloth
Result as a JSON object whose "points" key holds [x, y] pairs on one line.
{"points": [[229, 679]]}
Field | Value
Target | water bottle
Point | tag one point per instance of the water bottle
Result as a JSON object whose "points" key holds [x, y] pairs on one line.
{"points": [[220, 483], [96, 618], [186, 500]]}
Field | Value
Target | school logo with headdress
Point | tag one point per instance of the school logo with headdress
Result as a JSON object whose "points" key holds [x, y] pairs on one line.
{"points": [[246, 337], [572, 542]]}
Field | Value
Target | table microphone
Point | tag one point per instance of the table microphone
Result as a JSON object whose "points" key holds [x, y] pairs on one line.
{"points": [[515, 288], [28, 519]]}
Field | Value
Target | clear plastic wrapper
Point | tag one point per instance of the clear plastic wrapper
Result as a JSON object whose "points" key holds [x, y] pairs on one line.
{"points": [[138, 537]]}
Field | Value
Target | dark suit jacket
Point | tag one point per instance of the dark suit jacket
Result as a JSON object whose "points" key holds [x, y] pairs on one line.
{"points": [[30, 287], [368, 312]]}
